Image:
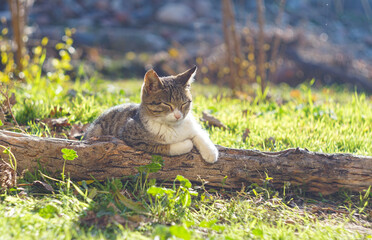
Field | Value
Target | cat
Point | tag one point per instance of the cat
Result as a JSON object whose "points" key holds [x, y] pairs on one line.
{"points": [[162, 123]]}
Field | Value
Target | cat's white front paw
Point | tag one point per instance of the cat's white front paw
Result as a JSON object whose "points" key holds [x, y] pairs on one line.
{"points": [[209, 153], [181, 147]]}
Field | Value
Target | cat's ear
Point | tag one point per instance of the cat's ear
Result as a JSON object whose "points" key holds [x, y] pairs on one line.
{"points": [[152, 81], [186, 78]]}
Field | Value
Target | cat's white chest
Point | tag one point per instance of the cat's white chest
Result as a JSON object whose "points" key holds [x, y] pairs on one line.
{"points": [[173, 134]]}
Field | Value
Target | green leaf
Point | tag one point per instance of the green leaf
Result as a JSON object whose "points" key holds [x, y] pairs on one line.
{"points": [[69, 154], [254, 191], [149, 168], [218, 228], [116, 184], [184, 181], [212, 225], [185, 199], [188, 223], [92, 193], [1, 123], [212, 109], [312, 81], [84, 195], [151, 182], [6, 151], [257, 232], [48, 211], [161, 232], [159, 191], [208, 224], [180, 232], [155, 165], [135, 206], [224, 180], [155, 191], [157, 159]]}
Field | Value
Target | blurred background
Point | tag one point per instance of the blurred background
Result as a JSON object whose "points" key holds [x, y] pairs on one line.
{"points": [[234, 43]]}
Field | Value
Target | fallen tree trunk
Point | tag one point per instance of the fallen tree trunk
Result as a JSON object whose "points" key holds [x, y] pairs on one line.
{"points": [[110, 157]]}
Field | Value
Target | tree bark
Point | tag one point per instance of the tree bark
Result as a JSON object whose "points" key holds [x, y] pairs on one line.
{"points": [[18, 11], [261, 58], [109, 157]]}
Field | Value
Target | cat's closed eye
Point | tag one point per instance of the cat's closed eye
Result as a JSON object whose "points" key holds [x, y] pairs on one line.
{"points": [[167, 105], [185, 104], [156, 108], [157, 111], [154, 103]]}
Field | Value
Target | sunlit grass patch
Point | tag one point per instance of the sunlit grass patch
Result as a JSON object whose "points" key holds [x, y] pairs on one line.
{"points": [[319, 120], [243, 216], [316, 119], [340, 122]]}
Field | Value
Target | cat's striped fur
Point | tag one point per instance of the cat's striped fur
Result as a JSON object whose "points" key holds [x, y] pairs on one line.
{"points": [[162, 123]]}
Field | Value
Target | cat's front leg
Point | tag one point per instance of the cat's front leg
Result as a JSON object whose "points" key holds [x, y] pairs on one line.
{"points": [[206, 148], [180, 147]]}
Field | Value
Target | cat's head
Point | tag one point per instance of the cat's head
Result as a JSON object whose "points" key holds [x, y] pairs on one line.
{"points": [[167, 99]]}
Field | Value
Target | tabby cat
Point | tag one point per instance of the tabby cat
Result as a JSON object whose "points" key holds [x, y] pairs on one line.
{"points": [[162, 123]]}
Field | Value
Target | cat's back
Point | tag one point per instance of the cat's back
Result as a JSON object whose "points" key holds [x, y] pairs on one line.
{"points": [[110, 122]]}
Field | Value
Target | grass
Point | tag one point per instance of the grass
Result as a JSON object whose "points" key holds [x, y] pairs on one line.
{"points": [[135, 207], [60, 216], [318, 119], [334, 122]]}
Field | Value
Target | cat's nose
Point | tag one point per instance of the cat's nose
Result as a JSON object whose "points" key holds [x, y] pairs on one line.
{"points": [[177, 114]]}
